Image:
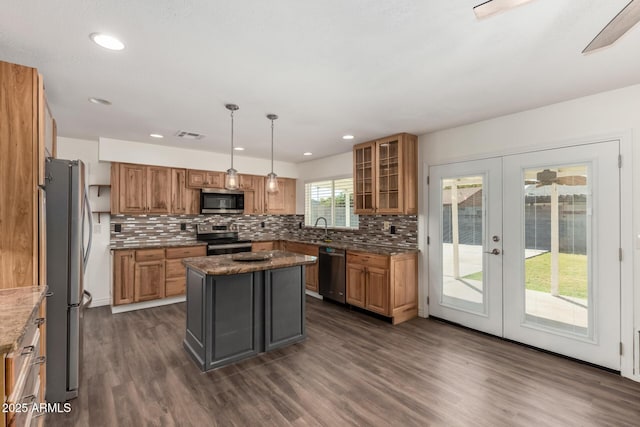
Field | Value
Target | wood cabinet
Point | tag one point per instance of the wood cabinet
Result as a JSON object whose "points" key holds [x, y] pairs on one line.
{"points": [[284, 201], [184, 200], [385, 175], [140, 189], [311, 271], [254, 199], [23, 371], [263, 246], [387, 285], [148, 274], [205, 179], [123, 277], [23, 118]]}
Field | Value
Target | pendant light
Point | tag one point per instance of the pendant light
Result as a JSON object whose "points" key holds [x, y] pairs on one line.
{"points": [[272, 178], [231, 179]]}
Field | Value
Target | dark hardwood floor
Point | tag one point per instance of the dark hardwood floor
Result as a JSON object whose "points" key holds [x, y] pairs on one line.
{"points": [[352, 370]]}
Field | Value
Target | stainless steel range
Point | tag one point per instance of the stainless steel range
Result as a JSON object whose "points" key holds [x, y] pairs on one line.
{"points": [[221, 239]]}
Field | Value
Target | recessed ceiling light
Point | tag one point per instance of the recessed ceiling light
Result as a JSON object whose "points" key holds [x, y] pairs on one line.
{"points": [[156, 135], [106, 41], [99, 101], [348, 137], [238, 148], [308, 153]]}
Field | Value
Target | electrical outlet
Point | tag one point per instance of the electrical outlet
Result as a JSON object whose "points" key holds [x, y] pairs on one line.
{"points": [[386, 225], [117, 228], [262, 224], [393, 229], [183, 226]]}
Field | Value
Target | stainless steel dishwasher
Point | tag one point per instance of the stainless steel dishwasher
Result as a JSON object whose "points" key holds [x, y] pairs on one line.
{"points": [[332, 274]]}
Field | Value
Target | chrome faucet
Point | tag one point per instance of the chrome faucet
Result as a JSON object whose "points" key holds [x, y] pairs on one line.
{"points": [[326, 232]]}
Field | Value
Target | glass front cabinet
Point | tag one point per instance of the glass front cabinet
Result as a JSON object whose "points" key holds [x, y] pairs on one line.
{"points": [[385, 175]]}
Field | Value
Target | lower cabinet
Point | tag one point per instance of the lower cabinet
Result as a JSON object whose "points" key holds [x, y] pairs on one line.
{"points": [[230, 318], [387, 285], [311, 273], [150, 274]]}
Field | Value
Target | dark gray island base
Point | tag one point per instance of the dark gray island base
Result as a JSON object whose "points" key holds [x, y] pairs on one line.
{"points": [[236, 310]]}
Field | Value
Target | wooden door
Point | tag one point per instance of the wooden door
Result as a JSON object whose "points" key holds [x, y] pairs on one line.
{"points": [[123, 277], [158, 189], [311, 277], [179, 191], [364, 183], [377, 290], [196, 178], [193, 201], [389, 175], [246, 182], [149, 280], [133, 188], [356, 280], [215, 180]]}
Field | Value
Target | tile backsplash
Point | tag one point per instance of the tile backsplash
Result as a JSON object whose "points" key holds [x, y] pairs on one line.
{"points": [[167, 228]]}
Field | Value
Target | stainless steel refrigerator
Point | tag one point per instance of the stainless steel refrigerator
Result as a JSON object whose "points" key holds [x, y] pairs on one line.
{"points": [[69, 227]]}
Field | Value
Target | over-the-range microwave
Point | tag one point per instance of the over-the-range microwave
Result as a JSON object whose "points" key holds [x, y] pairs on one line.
{"points": [[219, 201]]}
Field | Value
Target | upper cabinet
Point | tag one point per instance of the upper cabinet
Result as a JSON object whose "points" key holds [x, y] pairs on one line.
{"points": [[26, 128], [205, 179], [253, 187], [184, 200], [284, 201], [140, 189], [385, 175]]}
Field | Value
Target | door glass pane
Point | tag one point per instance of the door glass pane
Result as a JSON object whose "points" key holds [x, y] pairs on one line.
{"points": [[463, 219], [557, 236]]}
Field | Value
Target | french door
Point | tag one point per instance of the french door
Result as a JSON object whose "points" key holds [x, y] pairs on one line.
{"points": [[526, 247]]}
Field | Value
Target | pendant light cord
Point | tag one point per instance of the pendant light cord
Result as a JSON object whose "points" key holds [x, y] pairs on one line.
{"points": [[271, 145], [232, 139]]}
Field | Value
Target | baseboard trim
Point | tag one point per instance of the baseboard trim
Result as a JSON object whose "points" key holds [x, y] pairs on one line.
{"points": [[147, 304], [313, 294], [99, 302]]}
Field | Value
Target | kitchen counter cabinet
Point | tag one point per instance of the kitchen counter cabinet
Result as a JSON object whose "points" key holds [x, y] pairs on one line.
{"points": [[387, 285], [22, 348], [147, 274], [237, 311], [311, 273], [385, 175]]}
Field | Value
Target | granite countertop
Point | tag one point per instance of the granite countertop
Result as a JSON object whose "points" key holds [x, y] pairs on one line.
{"points": [[224, 265], [154, 244], [17, 306]]}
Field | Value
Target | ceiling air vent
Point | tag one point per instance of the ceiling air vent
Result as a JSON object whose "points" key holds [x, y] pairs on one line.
{"points": [[188, 135]]}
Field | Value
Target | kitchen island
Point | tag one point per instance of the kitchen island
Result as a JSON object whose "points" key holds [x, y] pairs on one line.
{"points": [[237, 309]]}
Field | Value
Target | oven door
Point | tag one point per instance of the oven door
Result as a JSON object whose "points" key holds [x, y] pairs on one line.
{"points": [[230, 248]]}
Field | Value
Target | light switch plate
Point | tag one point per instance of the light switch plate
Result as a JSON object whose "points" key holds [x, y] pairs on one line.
{"points": [[386, 225]]}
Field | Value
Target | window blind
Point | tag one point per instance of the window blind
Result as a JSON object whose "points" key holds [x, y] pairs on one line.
{"points": [[331, 199]]}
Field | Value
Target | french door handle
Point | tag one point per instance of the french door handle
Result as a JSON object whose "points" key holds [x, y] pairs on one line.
{"points": [[495, 251]]}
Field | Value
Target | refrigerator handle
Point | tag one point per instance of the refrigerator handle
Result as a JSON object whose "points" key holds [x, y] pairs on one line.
{"points": [[87, 213]]}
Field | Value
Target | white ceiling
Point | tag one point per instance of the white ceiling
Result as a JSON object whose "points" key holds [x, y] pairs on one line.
{"points": [[370, 68]]}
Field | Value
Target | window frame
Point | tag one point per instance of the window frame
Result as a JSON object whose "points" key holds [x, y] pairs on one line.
{"points": [[331, 226]]}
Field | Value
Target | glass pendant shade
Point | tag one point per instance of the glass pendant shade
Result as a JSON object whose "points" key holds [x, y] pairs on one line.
{"points": [[231, 181], [272, 183], [272, 178]]}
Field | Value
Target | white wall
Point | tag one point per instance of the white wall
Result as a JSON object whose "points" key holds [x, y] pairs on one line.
{"points": [[115, 150], [98, 267], [588, 119]]}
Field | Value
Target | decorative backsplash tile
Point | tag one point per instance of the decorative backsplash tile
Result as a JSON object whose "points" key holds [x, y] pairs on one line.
{"points": [[166, 229]]}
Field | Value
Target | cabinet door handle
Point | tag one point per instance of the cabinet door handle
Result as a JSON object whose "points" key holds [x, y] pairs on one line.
{"points": [[39, 321], [27, 350], [40, 360]]}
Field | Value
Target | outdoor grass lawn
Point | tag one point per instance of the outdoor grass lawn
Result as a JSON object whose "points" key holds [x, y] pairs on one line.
{"points": [[573, 274]]}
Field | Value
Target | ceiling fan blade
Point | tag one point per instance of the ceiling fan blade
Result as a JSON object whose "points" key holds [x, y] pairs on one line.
{"points": [[623, 21], [492, 7]]}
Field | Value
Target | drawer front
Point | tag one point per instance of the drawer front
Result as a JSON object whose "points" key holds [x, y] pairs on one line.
{"points": [[174, 268], [30, 418], [186, 252], [17, 387], [301, 248], [372, 260], [16, 361], [176, 286], [149, 254]]}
